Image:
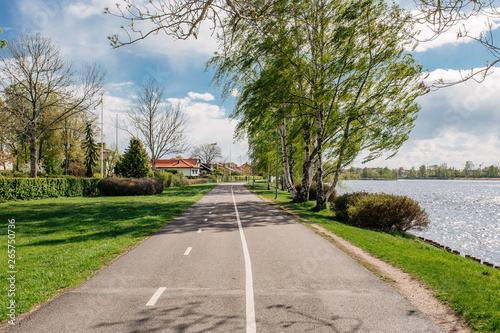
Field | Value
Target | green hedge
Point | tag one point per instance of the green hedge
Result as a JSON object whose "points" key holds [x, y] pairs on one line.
{"points": [[39, 188]]}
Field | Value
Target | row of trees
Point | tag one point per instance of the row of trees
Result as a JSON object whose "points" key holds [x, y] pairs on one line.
{"points": [[330, 77], [46, 118], [423, 172], [45, 102]]}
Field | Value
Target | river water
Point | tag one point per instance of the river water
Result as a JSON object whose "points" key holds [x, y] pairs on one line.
{"points": [[465, 214]]}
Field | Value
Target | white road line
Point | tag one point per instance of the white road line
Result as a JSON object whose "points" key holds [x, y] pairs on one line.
{"points": [[199, 230], [188, 251], [206, 220], [210, 213], [155, 297], [250, 305]]}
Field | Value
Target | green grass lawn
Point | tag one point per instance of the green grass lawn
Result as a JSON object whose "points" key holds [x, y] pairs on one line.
{"points": [[62, 242], [470, 288]]}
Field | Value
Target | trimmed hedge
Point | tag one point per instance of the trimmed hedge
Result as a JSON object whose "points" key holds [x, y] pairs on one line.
{"points": [[113, 186], [382, 211], [39, 188]]}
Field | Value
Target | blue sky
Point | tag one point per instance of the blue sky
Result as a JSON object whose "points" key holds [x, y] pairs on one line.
{"points": [[455, 124]]}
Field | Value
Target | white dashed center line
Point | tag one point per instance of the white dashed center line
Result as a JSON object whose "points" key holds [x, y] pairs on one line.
{"points": [[199, 230], [155, 297], [188, 251]]}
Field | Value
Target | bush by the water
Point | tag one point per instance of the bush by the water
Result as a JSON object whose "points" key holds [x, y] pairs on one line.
{"points": [[39, 188], [341, 204], [312, 191], [113, 186], [381, 211]]}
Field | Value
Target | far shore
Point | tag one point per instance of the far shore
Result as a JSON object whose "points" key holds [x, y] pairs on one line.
{"points": [[476, 178]]}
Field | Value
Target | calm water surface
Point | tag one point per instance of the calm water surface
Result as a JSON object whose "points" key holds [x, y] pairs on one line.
{"points": [[465, 215]]}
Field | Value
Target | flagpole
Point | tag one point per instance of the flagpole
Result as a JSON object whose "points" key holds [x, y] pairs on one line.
{"points": [[102, 136]]}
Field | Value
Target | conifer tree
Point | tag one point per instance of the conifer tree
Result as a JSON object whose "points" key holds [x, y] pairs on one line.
{"points": [[91, 150], [135, 161]]}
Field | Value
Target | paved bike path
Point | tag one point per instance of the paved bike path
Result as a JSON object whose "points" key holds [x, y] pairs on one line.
{"points": [[231, 263]]}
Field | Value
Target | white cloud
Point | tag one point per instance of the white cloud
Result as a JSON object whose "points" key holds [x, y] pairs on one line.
{"points": [[81, 10], [455, 124], [205, 97], [82, 28], [475, 26], [208, 124]]}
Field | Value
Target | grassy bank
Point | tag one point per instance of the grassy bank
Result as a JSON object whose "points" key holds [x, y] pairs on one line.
{"points": [[59, 243], [470, 288]]}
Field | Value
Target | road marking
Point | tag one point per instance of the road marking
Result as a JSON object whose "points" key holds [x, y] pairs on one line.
{"points": [[199, 230], [155, 297], [210, 213], [206, 220], [188, 251], [250, 306]]}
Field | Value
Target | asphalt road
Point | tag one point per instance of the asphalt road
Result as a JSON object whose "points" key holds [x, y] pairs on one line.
{"points": [[231, 263]]}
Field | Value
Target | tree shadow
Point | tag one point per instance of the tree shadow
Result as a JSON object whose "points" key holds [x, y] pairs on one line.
{"points": [[187, 316]]}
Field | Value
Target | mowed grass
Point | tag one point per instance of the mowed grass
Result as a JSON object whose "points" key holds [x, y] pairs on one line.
{"points": [[62, 242], [470, 288]]}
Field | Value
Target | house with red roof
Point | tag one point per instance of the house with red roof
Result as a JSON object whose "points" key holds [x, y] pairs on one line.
{"points": [[188, 166]]}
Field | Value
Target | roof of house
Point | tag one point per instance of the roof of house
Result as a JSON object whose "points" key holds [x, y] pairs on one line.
{"points": [[175, 164]]}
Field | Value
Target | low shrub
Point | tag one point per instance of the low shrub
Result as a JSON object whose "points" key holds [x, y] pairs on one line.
{"points": [[179, 180], [198, 181], [381, 211], [113, 186], [162, 176], [173, 171], [312, 191], [342, 202], [39, 188]]}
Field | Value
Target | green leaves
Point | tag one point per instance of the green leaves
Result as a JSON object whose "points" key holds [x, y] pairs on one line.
{"points": [[3, 42]]}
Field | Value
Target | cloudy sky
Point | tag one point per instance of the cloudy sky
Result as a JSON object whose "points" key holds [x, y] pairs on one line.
{"points": [[455, 124]]}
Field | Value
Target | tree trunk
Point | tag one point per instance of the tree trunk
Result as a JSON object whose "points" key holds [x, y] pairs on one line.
{"points": [[287, 179], [303, 194], [33, 157], [268, 177], [320, 192]]}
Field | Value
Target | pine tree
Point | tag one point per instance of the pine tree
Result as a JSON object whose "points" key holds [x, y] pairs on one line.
{"points": [[135, 161], [91, 150]]}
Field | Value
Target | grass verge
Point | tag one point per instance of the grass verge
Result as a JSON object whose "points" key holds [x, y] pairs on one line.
{"points": [[472, 289], [60, 243]]}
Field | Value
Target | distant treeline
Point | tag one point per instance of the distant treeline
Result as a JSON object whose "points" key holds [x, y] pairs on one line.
{"points": [[424, 172]]}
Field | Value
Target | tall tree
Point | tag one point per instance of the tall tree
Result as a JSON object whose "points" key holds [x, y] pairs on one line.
{"points": [[91, 150], [42, 80], [207, 153], [338, 69], [162, 127]]}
